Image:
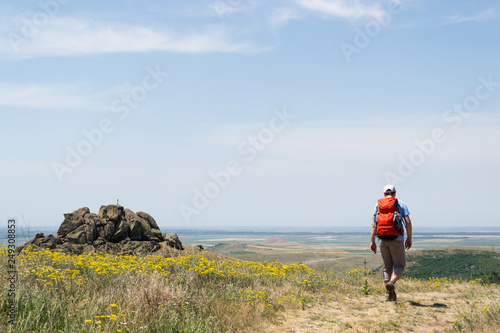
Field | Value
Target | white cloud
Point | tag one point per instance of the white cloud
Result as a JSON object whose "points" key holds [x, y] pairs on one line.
{"points": [[327, 141], [228, 7], [342, 8], [58, 96], [486, 15], [76, 37], [281, 16]]}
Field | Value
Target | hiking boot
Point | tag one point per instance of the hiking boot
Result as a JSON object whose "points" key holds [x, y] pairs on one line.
{"points": [[391, 294]]}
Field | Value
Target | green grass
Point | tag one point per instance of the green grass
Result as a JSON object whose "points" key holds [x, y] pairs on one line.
{"points": [[232, 253], [459, 264]]}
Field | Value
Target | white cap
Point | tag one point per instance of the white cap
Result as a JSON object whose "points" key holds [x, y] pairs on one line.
{"points": [[389, 188]]}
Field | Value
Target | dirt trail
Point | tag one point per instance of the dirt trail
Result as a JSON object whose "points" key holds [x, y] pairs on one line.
{"points": [[418, 313]]}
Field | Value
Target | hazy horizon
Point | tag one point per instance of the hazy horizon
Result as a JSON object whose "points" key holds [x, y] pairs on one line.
{"points": [[227, 114], [270, 229]]}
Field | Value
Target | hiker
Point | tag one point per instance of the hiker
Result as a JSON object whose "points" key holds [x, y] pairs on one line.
{"points": [[388, 219]]}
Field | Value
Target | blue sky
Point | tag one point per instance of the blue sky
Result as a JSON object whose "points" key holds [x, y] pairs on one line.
{"points": [[241, 114]]}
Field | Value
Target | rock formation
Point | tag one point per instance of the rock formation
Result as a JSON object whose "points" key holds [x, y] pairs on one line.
{"points": [[113, 230]]}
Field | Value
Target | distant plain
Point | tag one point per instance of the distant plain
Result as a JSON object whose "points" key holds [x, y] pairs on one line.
{"points": [[318, 249]]}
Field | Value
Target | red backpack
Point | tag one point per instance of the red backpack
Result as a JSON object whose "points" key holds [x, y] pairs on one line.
{"points": [[388, 219]]}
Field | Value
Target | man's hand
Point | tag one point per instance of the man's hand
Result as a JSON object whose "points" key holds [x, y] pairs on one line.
{"points": [[373, 247], [408, 243], [409, 229]]}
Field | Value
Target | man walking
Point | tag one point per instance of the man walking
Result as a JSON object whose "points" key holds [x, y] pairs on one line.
{"points": [[387, 226]]}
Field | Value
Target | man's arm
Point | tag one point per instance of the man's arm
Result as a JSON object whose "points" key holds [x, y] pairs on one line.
{"points": [[373, 246], [409, 231]]}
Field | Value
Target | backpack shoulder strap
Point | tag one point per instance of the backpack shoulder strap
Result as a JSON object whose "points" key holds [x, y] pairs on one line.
{"points": [[398, 207]]}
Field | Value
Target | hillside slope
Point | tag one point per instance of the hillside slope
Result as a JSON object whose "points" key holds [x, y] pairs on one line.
{"points": [[200, 291], [459, 308], [463, 264]]}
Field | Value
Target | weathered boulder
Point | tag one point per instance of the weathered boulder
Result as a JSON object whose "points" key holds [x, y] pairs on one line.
{"points": [[92, 218], [173, 241], [149, 218], [70, 249], [114, 229], [130, 215], [77, 236], [99, 241], [157, 236], [111, 212], [44, 242], [145, 247], [90, 231], [146, 230], [82, 211], [135, 230], [72, 221], [109, 231], [121, 232]]}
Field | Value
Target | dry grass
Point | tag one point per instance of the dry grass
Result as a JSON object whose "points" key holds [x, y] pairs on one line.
{"points": [[422, 306], [210, 293]]}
